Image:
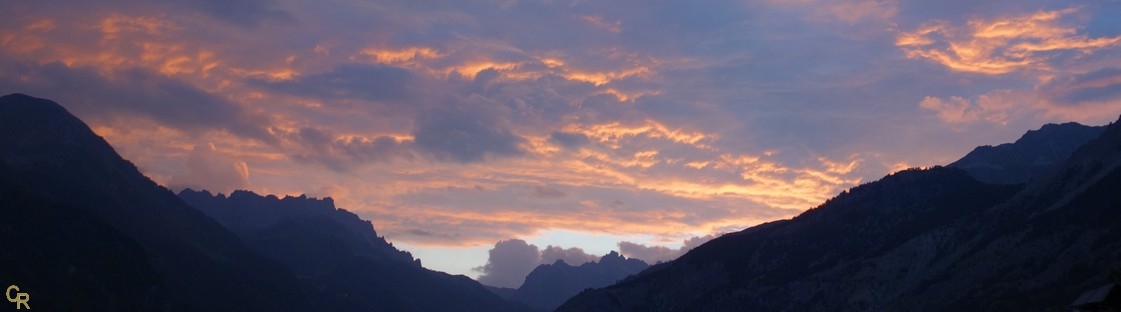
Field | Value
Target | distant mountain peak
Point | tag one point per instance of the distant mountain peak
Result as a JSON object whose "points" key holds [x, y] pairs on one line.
{"points": [[1032, 155], [247, 212], [548, 285]]}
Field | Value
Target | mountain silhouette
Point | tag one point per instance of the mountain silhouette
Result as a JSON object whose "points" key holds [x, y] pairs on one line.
{"points": [[918, 240], [250, 215], [341, 256], [549, 285], [66, 257], [94, 226], [1035, 153]]}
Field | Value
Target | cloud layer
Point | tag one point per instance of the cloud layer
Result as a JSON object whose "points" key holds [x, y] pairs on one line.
{"points": [[456, 123]]}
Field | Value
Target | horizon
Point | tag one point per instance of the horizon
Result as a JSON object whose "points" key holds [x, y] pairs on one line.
{"points": [[590, 127]]}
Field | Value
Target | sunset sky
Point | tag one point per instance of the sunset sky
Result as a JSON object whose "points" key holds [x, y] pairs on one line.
{"points": [[598, 125]]}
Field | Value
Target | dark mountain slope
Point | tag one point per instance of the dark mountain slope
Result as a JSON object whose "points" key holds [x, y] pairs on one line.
{"points": [[1042, 248], [250, 215], [1035, 153], [549, 285], [771, 266], [65, 258], [341, 256], [918, 240], [53, 156]]}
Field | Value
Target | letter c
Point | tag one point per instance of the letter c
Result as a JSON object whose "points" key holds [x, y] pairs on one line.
{"points": [[8, 293]]}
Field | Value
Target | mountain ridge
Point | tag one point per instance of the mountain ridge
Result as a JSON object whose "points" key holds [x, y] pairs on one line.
{"points": [[1033, 154], [549, 285], [244, 212], [1036, 246], [341, 255], [94, 232], [55, 156]]}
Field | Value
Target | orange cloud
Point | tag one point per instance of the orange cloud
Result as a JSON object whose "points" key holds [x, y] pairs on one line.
{"points": [[954, 110], [1004, 105], [604, 77], [471, 69], [997, 106], [406, 56], [613, 132], [1002, 45], [116, 25], [424, 59]]}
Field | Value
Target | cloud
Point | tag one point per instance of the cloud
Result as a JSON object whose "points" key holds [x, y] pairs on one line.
{"points": [[132, 92], [245, 13], [572, 256], [209, 169], [420, 232], [1063, 98], [508, 264], [655, 254], [568, 139], [350, 81], [1002, 45], [511, 260], [997, 106], [1096, 86], [545, 192], [447, 124], [342, 153], [649, 254], [461, 135], [952, 110]]}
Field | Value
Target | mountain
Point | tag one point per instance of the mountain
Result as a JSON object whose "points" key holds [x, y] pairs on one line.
{"points": [[549, 285], [83, 226], [1035, 153], [341, 256], [917, 240], [65, 257], [250, 215]]}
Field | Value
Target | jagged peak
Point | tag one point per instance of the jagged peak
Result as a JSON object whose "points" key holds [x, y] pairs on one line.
{"points": [[1035, 152]]}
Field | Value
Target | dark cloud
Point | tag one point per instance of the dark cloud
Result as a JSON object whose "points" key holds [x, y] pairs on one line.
{"points": [[381, 148], [314, 137], [427, 233], [650, 254], [342, 154], [465, 135], [1099, 85], [210, 170], [655, 254], [568, 140], [172, 102], [545, 192], [244, 13], [571, 256], [351, 81], [509, 262]]}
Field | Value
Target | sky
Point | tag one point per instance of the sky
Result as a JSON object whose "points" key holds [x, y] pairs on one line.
{"points": [[559, 129]]}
